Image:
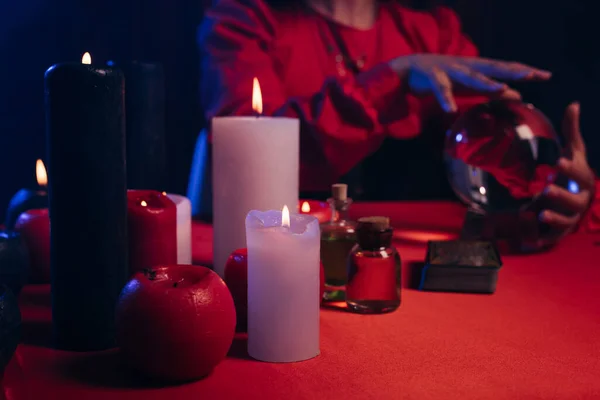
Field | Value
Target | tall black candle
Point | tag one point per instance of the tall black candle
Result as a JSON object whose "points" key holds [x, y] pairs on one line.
{"points": [[145, 104], [85, 112]]}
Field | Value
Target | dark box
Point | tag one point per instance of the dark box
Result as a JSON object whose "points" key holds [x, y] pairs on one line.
{"points": [[468, 266]]}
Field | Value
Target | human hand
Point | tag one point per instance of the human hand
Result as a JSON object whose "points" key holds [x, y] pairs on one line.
{"points": [[438, 74], [571, 203]]}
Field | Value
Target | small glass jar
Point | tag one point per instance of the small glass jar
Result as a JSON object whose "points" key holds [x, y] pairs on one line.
{"points": [[338, 237], [373, 269]]}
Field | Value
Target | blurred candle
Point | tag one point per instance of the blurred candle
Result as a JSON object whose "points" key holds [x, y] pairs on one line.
{"points": [[85, 114], [283, 286], [184, 228], [28, 199], [318, 209], [152, 229], [14, 261], [34, 227], [255, 166], [145, 125]]}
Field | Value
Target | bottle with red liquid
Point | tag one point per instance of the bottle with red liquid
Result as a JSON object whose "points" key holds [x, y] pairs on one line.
{"points": [[373, 269]]}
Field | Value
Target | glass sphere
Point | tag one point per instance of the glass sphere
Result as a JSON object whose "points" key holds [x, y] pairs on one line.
{"points": [[500, 156]]}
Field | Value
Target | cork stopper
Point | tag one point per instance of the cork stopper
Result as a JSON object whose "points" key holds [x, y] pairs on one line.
{"points": [[339, 191], [375, 224]]}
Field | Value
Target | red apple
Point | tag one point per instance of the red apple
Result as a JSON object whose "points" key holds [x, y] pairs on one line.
{"points": [[236, 278], [175, 323], [34, 228]]}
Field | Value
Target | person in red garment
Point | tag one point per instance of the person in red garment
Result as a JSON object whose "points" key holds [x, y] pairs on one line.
{"points": [[370, 81]]}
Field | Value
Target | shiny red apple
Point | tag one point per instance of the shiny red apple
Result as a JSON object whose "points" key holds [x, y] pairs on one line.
{"points": [[236, 278], [34, 228], [175, 323]]}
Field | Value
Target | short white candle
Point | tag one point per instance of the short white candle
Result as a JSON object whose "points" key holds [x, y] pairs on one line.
{"points": [[283, 286], [184, 228], [255, 166]]}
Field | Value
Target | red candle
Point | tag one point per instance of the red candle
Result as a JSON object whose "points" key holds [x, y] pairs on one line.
{"points": [[34, 228], [318, 209], [152, 229]]}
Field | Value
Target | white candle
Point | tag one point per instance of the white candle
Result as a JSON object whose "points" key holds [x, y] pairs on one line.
{"points": [[255, 166], [283, 286], [184, 228]]}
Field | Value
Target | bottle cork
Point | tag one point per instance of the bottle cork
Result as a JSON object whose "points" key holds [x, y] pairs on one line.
{"points": [[339, 191], [375, 223]]}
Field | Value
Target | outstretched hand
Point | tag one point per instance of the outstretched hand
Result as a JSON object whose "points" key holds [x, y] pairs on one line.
{"points": [[439, 74], [574, 201]]}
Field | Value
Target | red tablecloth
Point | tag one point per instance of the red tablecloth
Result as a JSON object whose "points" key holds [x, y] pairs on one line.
{"points": [[537, 337]]}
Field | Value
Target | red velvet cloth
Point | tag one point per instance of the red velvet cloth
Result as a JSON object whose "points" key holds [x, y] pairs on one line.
{"points": [[537, 337], [344, 117]]}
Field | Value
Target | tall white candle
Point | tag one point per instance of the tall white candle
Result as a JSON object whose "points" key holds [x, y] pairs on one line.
{"points": [[283, 286], [184, 228], [255, 166]]}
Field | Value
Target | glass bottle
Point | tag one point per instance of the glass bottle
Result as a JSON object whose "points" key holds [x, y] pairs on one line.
{"points": [[373, 269], [338, 237]]}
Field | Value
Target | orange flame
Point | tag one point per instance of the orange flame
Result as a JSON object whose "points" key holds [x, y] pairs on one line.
{"points": [[285, 217], [40, 173], [257, 102], [305, 207], [87, 58]]}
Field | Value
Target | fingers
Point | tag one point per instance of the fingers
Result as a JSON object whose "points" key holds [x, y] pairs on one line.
{"points": [[571, 129], [473, 79], [508, 94], [574, 202], [559, 221], [442, 89], [506, 70], [573, 169]]}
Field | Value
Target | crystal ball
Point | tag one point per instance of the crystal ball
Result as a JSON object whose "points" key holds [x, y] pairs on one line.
{"points": [[501, 155]]}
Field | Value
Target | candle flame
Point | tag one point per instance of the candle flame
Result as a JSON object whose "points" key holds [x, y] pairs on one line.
{"points": [[40, 173], [257, 102], [87, 58], [305, 207], [164, 193], [143, 203], [285, 217]]}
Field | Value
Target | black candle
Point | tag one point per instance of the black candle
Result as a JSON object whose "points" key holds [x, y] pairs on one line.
{"points": [[14, 262], [28, 199], [85, 115], [145, 104]]}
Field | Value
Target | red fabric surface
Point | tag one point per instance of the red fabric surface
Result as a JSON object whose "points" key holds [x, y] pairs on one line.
{"points": [[345, 117], [537, 337]]}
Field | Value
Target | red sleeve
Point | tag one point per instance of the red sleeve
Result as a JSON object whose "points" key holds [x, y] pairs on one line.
{"points": [[341, 121]]}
